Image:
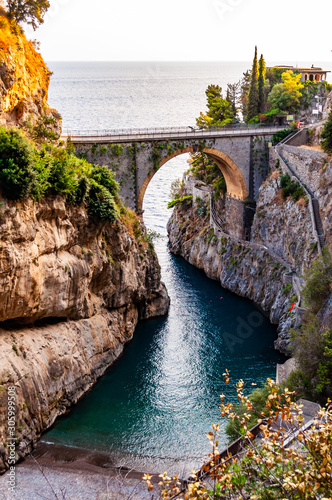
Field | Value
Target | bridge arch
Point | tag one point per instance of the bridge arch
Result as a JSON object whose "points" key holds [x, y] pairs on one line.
{"points": [[235, 182]]}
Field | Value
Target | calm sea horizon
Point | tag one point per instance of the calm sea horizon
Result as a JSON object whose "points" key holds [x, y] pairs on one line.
{"points": [[118, 95]]}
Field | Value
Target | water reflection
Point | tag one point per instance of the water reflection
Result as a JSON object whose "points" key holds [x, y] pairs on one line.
{"points": [[153, 408]]}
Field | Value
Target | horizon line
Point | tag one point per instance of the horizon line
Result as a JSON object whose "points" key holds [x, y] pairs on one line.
{"points": [[174, 61]]}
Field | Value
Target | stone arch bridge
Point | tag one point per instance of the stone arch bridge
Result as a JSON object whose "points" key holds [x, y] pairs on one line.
{"points": [[241, 153]]}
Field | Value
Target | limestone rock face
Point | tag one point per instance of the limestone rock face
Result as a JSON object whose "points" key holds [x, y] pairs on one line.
{"points": [[247, 271], [284, 225], [24, 81], [281, 243], [57, 262], [72, 290]]}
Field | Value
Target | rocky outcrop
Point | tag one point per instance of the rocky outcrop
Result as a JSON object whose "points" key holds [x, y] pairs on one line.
{"points": [[284, 226], [263, 269], [245, 270], [24, 82], [72, 290]]}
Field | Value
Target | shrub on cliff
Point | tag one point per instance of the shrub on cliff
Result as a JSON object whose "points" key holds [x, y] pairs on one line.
{"points": [[290, 187], [175, 189], [17, 156], [26, 171], [104, 177], [184, 200], [64, 173], [205, 170], [101, 203], [312, 348], [318, 282], [327, 135]]}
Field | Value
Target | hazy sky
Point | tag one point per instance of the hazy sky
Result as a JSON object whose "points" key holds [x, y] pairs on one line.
{"points": [[186, 30]]}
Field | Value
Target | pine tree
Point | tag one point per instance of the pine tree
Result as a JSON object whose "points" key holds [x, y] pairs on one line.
{"points": [[233, 96], [245, 85], [253, 98], [327, 135], [219, 109], [261, 84]]}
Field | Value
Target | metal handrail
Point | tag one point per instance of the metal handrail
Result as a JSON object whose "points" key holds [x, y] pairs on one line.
{"points": [[237, 129]]}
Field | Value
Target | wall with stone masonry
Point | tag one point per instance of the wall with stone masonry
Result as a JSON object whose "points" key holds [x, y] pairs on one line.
{"points": [[235, 217], [306, 163]]}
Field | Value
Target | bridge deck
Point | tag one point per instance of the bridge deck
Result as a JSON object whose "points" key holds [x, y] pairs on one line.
{"points": [[141, 135]]}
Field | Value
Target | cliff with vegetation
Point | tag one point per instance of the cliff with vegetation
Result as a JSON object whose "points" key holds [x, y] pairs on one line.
{"points": [[24, 82], [77, 268], [269, 268], [72, 290]]}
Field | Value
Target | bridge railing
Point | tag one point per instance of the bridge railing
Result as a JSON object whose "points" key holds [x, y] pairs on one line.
{"points": [[238, 128]]}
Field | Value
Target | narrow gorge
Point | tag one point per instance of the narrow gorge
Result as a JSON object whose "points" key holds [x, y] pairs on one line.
{"points": [[72, 292], [269, 267]]}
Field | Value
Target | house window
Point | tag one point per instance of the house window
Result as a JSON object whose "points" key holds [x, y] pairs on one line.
{"points": [[311, 78]]}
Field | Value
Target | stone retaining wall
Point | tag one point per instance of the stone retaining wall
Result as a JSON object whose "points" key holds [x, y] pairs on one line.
{"points": [[306, 163]]}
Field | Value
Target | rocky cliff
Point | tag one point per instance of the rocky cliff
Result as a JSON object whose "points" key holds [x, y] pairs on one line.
{"points": [[72, 290], [24, 82], [284, 226], [263, 269]]}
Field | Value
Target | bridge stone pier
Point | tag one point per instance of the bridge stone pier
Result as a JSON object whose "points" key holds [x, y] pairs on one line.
{"points": [[135, 156]]}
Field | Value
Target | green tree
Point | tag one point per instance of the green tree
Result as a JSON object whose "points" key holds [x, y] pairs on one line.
{"points": [[253, 97], [327, 135], [17, 174], [245, 85], [31, 11], [175, 189], [273, 76], [233, 96], [219, 109], [286, 96], [261, 84], [204, 169]]}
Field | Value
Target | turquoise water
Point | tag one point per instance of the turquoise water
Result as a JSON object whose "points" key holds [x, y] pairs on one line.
{"points": [[153, 408]]}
